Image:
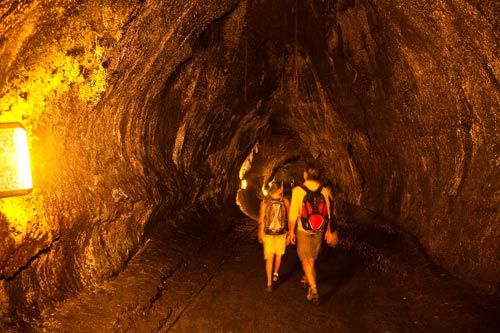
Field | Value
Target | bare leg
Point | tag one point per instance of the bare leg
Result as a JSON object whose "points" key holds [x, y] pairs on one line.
{"points": [[269, 269], [277, 264], [313, 270], [308, 267]]}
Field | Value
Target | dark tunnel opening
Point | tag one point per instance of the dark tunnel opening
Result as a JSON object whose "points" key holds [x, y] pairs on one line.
{"points": [[141, 116]]}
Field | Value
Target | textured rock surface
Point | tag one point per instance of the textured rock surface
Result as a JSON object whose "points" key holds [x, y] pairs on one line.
{"points": [[136, 108], [401, 103], [99, 173]]}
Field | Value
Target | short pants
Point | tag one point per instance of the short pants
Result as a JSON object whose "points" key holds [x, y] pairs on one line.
{"points": [[308, 244], [274, 244]]}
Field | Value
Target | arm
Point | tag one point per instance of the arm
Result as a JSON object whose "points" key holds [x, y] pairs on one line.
{"points": [[294, 213], [262, 212], [327, 199], [331, 238], [333, 219], [287, 207]]}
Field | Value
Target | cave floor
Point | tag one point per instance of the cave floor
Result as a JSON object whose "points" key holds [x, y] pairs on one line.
{"points": [[218, 286], [354, 298]]}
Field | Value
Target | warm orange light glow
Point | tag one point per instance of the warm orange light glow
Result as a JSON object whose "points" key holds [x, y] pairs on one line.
{"points": [[265, 187], [247, 164], [264, 190], [15, 168], [244, 184]]}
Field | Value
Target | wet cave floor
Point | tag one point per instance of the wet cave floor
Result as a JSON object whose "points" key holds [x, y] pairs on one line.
{"points": [[218, 286]]}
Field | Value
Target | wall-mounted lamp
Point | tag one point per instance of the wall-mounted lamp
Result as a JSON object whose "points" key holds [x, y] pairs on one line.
{"points": [[15, 168], [243, 184]]}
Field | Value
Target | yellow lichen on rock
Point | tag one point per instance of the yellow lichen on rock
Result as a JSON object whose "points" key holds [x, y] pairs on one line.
{"points": [[75, 57], [47, 81], [68, 62], [21, 211], [91, 90], [26, 103]]}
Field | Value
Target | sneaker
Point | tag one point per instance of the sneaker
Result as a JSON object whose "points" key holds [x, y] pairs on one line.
{"points": [[276, 277], [312, 297]]}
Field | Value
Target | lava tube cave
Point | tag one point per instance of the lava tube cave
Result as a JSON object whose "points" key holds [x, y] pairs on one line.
{"points": [[157, 128]]}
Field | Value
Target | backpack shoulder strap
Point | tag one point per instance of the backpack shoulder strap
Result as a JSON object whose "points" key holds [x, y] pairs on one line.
{"points": [[305, 188]]}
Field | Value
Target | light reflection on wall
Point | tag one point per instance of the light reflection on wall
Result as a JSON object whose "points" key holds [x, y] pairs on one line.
{"points": [[247, 164]]}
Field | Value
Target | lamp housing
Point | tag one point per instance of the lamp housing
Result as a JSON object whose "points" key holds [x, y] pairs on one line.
{"points": [[15, 167]]}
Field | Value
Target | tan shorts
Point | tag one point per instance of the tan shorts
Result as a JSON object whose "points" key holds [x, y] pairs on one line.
{"points": [[308, 244], [274, 244]]}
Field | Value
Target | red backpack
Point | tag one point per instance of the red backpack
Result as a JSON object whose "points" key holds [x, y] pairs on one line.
{"points": [[314, 214]]}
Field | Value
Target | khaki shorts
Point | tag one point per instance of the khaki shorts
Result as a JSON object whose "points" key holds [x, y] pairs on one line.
{"points": [[308, 244], [274, 244]]}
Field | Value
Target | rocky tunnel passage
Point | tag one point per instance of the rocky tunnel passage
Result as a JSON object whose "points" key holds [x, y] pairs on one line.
{"points": [[141, 112]]}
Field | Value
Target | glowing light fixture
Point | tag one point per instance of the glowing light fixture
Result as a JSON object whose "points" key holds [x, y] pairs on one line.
{"points": [[244, 184], [15, 168]]}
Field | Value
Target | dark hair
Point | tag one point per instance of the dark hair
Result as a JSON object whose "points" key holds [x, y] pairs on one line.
{"points": [[312, 170]]}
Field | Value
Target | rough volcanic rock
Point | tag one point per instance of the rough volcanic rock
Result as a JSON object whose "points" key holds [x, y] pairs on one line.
{"points": [[140, 108], [85, 79]]}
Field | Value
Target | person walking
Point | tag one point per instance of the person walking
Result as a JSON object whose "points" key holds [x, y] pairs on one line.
{"points": [[308, 224], [273, 216]]}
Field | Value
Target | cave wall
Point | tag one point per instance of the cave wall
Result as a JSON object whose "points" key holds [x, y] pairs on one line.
{"points": [[400, 103], [352, 80], [401, 100], [429, 83], [79, 76]]}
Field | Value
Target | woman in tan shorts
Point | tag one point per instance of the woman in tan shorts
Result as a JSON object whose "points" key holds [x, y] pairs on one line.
{"points": [[273, 218]]}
